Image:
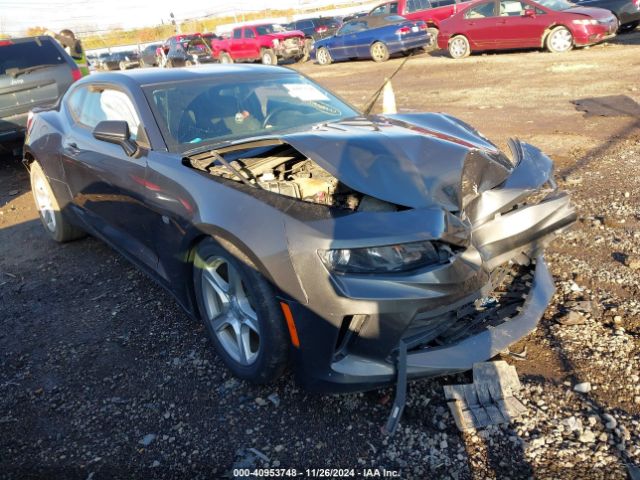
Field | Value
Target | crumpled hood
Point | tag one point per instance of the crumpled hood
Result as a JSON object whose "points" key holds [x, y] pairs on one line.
{"points": [[412, 160], [285, 35]]}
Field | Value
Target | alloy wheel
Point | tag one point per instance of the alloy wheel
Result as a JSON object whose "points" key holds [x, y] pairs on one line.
{"points": [[229, 310], [323, 56], [378, 51], [44, 202]]}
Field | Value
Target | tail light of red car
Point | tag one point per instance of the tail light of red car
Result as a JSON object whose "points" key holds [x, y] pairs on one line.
{"points": [[76, 74], [4, 43], [324, 28], [403, 30]]}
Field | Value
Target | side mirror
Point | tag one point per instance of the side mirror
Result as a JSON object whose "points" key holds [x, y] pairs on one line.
{"points": [[530, 12], [116, 131]]}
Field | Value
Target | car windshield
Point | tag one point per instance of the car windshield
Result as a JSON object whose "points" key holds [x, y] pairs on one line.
{"points": [[214, 110], [558, 5]]}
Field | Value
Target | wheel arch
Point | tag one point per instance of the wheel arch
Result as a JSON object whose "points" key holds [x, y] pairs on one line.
{"points": [[225, 239]]}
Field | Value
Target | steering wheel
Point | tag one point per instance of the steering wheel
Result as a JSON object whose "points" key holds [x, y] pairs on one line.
{"points": [[270, 115]]}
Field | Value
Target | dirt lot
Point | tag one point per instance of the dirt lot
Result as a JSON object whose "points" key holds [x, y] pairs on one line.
{"points": [[103, 376]]}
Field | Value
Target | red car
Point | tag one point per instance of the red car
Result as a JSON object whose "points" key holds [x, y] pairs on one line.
{"points": [[511, 24], [268, 43]]}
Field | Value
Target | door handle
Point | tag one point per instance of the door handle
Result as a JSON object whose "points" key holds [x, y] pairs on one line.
{"points": [[502, 21]]}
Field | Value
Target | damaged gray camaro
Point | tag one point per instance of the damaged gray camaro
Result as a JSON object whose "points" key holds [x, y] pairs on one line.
{"points": [[359, 250]]}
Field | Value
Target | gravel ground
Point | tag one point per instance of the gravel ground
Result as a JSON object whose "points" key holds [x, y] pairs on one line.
{"points": [[103, 376]]}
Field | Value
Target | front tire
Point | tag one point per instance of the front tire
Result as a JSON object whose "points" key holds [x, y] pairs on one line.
{"points": [[122, 66], [240, 311], [53, 219], [323, 56], [268, 57], [379, 52], [559, 40], [459, 47], [225, 58]]}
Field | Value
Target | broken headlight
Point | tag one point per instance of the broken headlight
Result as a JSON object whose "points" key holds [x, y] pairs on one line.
{"points": [[385, 259]]}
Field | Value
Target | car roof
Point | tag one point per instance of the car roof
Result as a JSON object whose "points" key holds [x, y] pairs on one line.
{"points": [[150, 76], [37, 38]]}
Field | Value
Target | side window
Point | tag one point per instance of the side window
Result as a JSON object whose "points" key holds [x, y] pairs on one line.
{"points": [[248, 33], [416, 5], [108, 104], [442, 3], [75, 101], [481, 11], [237, 33], [381, 10], [511, 8], [393, 8], [305, 24]]}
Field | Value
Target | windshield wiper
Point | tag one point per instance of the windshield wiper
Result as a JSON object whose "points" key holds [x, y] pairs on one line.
{"points": [[14, 72]]}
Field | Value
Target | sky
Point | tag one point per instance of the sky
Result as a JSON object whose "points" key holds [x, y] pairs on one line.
{"points": [[87, 15]]}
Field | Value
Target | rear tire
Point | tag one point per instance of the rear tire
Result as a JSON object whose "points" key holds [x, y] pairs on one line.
{"points": [[240, 311], [225, 58], [434, 38], [53, 219], [323, 56], [122, 66], [379, 52], [629, 27], [459, 47], [306, 49], [559, 40], [268, 57]]}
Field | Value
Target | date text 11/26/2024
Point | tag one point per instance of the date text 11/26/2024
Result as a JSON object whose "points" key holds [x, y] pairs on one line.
{"points": [[315, 473]]}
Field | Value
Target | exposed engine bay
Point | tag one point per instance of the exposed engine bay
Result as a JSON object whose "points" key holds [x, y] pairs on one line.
{"points": [[285, 171]]}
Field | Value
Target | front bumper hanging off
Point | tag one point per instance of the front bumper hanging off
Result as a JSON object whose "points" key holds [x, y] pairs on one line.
{"points": [[462, 355]]}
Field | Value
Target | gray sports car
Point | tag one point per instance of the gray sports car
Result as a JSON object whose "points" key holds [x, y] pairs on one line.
{"points": [[360, 250]]}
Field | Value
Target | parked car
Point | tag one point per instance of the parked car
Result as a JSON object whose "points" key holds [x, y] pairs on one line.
{"points": [[34, 72], [316, 28], [190, 52], [100, 62], [626, 11], [432, 12], [122, 60], [268, 43], [163, 50], [375, 38], [148, 56], [557, 25], [302, 233], [209, 37]]}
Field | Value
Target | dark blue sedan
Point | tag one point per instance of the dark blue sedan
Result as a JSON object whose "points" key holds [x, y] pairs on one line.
{"points": [[374, 37]]}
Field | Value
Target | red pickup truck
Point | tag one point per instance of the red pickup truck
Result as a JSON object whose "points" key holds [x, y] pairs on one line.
{"points": [[429, 11], [268, 43]]}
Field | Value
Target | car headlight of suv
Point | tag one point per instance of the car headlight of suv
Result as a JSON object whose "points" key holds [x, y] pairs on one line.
{"points": [[590, 21], [384, 259]]}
